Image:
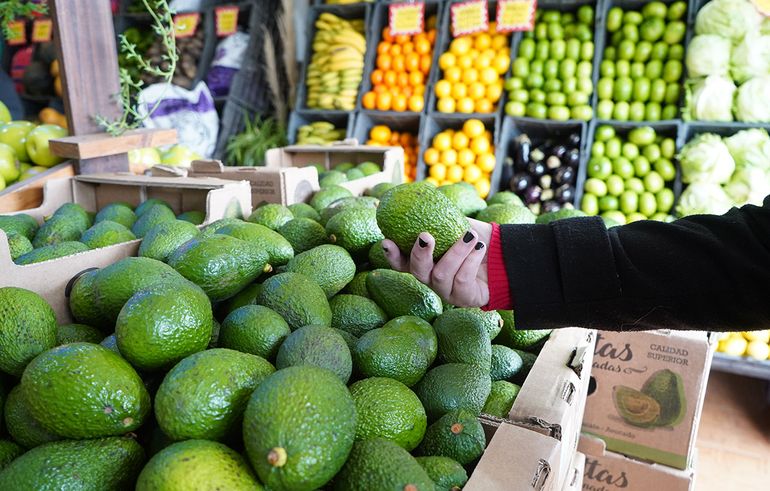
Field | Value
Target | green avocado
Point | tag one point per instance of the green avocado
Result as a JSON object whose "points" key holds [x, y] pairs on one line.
{"points": [[377, 259], [355, 314], [111, 343], [454, 386], [27, 328], [446, 473], [331, 178], [369, 168], [330, 266], [56, 230], [353, 174], [271, 216], [527, 362], [18, 245], [458, 435], [501, 399], [83, 302], [327, 196], [635, 407], [117, 212], [379, 189], [163, 239], [318, 346], [297, 298], [425, 335], [106, 233], [214, 227], [9, 451], [22, 426], [195, 217], [149, 204], [491, 321], [464, 198], [519, 339], [279, 250], [506, 363], [304, 210], [78, 333], [667, 387], [506, 215], [355, 229], [247, 296], [50, 252], [402, 294], [345, 204], [382, 465], [463, 339], [357, 285], [303, 234], [20, 223], [504, 198], [254, 329], [152, 217], [393, 352], [559, 215]]}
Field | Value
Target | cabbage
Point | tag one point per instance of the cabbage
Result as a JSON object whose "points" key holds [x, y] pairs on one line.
{"points": [[749, 185], [751, 58], [750, 148], [706, 159], [753, 102], [730, 19], [708, 54], [703, 197], [710, 99]]}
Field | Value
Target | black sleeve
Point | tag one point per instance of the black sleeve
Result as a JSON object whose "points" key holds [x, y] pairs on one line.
{"points": [[702, 272]]}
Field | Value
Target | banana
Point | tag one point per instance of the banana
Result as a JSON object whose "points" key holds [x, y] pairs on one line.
{"points": [[322, 125], [345, 65], [349, 92]]}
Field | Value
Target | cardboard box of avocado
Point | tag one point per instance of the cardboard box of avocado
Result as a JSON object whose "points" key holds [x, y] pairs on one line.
{"points": [[534, 448], [217, 198]]}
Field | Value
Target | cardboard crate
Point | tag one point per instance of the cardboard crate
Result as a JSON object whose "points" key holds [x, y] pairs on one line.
{"points": [[575, 477], [50, 279], [605, 470], [630, 359], [535, 446]]}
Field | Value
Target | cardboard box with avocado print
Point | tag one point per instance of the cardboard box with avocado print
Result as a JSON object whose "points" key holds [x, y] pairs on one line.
{"points": [[648, 393], [610, 471]]}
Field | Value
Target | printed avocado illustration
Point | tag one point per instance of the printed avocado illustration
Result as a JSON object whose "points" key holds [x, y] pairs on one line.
{"points": [[667, 388], [636, 408]]}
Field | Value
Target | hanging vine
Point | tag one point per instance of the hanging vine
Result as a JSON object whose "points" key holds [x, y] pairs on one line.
{"points": [[11, 10]]}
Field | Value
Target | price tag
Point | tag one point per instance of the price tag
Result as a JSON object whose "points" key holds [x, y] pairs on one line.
{"points": [[42, 30], [227, 20], [516, 15], [407, 18], [469, 17], [763, 6], [17, 33], [186, 24]]}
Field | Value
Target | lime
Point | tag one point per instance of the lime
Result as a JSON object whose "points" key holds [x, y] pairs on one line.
{"points": [[555, 30], [550, 69], [654, 69], [597, 149], [630, 151], [653, 182], [578, 99], [657, 90], [585, 15], [607, 69], [514, 83], [613, 147], [608, 203], [623, 68], [651, 152], [582, 112], [677, 10], [515, 109], [659, 51], [573, 49], [635, 217], [652, 29], [642, 136], [585, 85], [676, 52], [632, 17], [626, 50], [559, 113], [672, 71], [669, 112], [536, 110], [652, 112], [615, 185], [614, 19], [654, 9], [623, 89], [595, 186], [630, 33], [665, 168], [610, 53], [605, 109], [641, 166], [567, 68], [629, 202], [647, 204], [665, 200], [621, 111], [583, 33], [537, 95], [636, 111], [556, 99], [641, 89], [604, 88], [599, 167], [604, 133], [674, 32], [542, 50], [672, 93], [526, 49], [614, 218], [587, 51], [519, 95], [521, 67], [623, 167], [558, 49], [535, 81], [667, 149], [643, 51], [635, 184], [590, 204]]}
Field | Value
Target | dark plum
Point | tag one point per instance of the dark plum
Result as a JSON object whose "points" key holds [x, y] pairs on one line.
{"points": [[565, 193], [532, 194], [559, 151], [520, 182], [572, 158], [521, 151], [574, 139], [564, 175], [551, 206], [536, 169]]}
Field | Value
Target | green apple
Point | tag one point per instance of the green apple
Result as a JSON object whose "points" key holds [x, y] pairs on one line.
{"points": [[32, 172], [146, 157], [179, 155], [9, 165], [5, 114], [14, 134], [37, 144], [24, 167], [2, 183]]}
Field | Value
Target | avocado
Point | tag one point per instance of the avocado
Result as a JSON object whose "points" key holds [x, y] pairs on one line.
{"points": [[271, 216], [56, 230], [457, 435], [463, 339], [204, 395], [491, 321], [519, 339], [353, 174], [220, 264], [410, 209], [357, 285], [304, 210], [327, 196], [22, 426], [667, 388], [286, 451], [464, 198], [453, 386], [355, 314], [84, 390], [83, 301], [216, 327], [152, 217], [9, 451], [350, 339], [506, 363], [546, 218], [159, 326], [446, 473], [279, 250], [368, 168], [110, 464], [635, 407], [18, 245], [527, 362], [111, 343], [388, 409], [27, 328], [425, 336], [379, 189], [197, 464], [149, 204], [214, 227], [75, 214], [195, 217], [318, 346], [20, 223], [382, 465], [247, 296], [297, 298], [50, 252], [78, 333], [377, 259], [331, 178], [391, 352], [117, 212], [345, 204], [501, 399], [402, 294], [504, 198], [355, 229], [165, 238], [303, 234], [506, 215], [330, 266], [106, 233]]}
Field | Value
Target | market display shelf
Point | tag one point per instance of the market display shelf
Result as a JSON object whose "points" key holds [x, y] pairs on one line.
{"points": [[741, 366]]}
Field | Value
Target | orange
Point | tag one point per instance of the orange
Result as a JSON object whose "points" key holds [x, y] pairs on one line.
{"points": [[420, 90], [431, 156], [399, 103], [486, 162], [445, 105], [471, 174], [470, 75], [407, 91], [480, 144], [383, 48], [442, 141], [369, 101], [473, 128], [501, 63], [407, 48], [373, 143], [405, 140], [422, 45], [425, 63], [484, 106], [390, 78], [384, 101], [416, 78], [447, 60], [398, 63], [380, 133], [483, 41], [443, 88], [403, 38], [395, 49], [499, 41], [482, 187], [460, 46], [416, 103], [380, 88], [465, 105], [403, 79], [476, 91], [482, 61], [377, 76], [432, 35], [492, 27], [438, 171], [394, 138], [386, 34], [465, 61], [412, 62], [488, 76], [494, 92], [460, 141], [465, 157], [459, 90], [384, 61], [454, 174], [453, 74]]}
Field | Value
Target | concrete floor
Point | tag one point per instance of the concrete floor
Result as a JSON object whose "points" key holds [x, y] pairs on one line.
{"points": [[734, 437]]}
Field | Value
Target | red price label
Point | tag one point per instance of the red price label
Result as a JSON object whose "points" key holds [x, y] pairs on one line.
{"points": [[469, 17], [17, 33], [516, 15], [406, 18], [186, 24], [763, 6], [42, 30], [227, 20]]}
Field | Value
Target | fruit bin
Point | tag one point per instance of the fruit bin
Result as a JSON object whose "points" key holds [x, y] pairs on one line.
{"points": [[219, 198], [298, 119], [379, 20], [598, 41], [539, 130], [29, 192], [410, 123]]}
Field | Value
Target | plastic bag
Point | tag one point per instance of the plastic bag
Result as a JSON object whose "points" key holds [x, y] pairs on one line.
{"points": [[227, 62]]}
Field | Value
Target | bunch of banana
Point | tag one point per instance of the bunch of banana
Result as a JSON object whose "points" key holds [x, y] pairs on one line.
{"points": [[319, 133], [343, 2], [337, 66]]}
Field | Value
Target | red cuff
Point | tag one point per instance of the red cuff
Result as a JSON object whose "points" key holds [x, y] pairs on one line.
{"points": [[497, 276]]}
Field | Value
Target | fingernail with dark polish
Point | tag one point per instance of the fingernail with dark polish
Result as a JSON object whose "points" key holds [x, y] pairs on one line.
{"points": [[479, 246], [467, 237], [422, 243], [385, 248]]}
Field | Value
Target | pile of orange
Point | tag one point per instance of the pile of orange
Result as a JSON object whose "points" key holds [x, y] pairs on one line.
{"points": [[401, 72], [381, 135], [473, 69], [466, 154]]}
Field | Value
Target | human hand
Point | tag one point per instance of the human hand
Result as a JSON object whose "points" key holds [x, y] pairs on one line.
{"points": [[460, 276]]}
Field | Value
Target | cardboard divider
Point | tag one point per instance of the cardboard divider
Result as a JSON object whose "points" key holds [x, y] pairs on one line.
{"points": [[574, 480], [341, 120], [366, 120], [29, 192]]}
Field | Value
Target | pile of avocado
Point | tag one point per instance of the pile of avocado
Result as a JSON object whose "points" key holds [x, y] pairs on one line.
{"points": [[278, 352], [344, 172], [72, 229]]}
